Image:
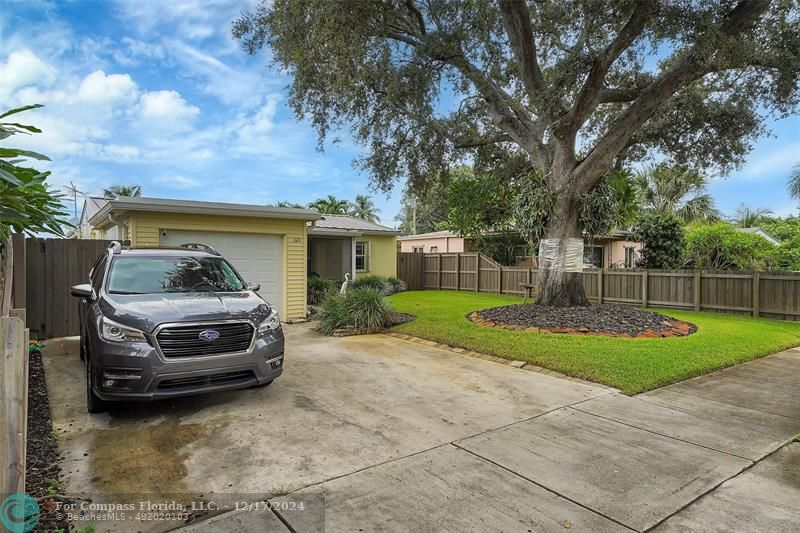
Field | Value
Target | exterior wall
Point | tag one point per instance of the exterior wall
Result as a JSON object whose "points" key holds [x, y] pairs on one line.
{"points": [[444, 244], [382, 254], [145, 230], [614, 252]]}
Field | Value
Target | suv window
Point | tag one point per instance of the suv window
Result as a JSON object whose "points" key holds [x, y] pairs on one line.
{"points": [[98, 270], [147, 275]]}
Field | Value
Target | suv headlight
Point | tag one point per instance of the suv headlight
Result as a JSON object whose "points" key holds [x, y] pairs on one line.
{"points": [[114, 332], [271, 323]]}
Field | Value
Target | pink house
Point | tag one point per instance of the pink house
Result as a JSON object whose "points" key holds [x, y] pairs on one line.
{"points": [[615, 250]]}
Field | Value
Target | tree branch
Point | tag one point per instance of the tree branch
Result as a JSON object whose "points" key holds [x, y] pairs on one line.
{"points": [[517, 22], [618, 94], [587, 99], [690, 66], [417, 15]]}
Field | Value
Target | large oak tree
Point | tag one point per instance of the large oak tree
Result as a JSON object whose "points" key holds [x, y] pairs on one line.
{"points": [[572, 87]]}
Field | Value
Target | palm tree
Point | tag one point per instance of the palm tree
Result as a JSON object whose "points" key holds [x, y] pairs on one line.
{"points": [[794, 182], [330, 205], [679, 191], [364, 208], [115, 191], [284, 203], [747, 217]]}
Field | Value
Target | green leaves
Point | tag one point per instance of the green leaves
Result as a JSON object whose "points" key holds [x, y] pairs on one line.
{"points": [[27, 204], [663, 238]]}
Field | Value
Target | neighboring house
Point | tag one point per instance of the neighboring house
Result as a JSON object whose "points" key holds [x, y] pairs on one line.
{"points": [[84, 230], [615, 250], [277, 247], [761, 233]]}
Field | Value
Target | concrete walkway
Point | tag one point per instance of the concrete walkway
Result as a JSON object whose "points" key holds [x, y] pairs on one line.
{"points": [[401, 437], [707, 454]]}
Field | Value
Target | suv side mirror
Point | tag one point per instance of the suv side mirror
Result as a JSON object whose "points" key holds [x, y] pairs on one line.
{"points": [[255, 287], [84, 290]]}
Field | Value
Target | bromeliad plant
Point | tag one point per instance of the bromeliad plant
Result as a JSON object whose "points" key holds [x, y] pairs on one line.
{"points": [[319, 289], [383, 284]]}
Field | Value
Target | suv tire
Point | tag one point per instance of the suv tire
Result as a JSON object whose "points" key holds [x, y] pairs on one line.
{"points": [[93, 403]]}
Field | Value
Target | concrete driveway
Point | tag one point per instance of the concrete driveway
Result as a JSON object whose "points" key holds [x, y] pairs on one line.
{"points": [[399, 436]]}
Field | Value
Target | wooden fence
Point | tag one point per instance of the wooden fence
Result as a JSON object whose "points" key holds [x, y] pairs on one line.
{"points": [[769, 294], [44, 271]]}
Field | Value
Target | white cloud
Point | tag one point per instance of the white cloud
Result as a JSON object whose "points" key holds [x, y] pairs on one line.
{"points": [[764, 164], [101, 88], [22, 69], [167, 107]]}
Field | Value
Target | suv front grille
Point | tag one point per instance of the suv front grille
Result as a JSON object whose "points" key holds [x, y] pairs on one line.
{"points": [[206, 381], [185, 341]]}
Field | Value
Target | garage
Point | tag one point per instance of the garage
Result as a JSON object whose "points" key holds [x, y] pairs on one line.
{"points": [[258, 258]]}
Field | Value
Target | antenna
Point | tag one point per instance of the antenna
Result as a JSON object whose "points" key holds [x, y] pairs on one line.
{"points": [[74, 191]]}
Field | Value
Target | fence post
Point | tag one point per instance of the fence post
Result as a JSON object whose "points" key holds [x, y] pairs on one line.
{"points": [[756, 294], [697, 293], [458, 271], [13, 414], [600, 286], [439, 271], [644, 288], [477, 272], [500, 279]]}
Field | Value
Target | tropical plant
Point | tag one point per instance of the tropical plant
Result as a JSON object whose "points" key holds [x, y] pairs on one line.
{"points": [[675, 190], [284, 203], [662, 236], [364, 208], [383, 284], [748, 217], [794, 182], [27, 204], [330, 205], [720, 247], [116, 191], [319, 289], [361, 310]]}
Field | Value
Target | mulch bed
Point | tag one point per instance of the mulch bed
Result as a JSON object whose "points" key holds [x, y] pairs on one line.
{"points": [[604, 319], [43, 468], [395, 319]]}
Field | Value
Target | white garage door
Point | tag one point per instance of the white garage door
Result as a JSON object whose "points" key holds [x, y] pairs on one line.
{"points": [[258, 258]]}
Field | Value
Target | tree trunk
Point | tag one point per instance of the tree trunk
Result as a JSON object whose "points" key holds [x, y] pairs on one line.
{"points": [[557, 287]]}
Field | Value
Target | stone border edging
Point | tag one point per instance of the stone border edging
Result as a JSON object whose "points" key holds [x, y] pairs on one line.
{"points": [[522, 365]]}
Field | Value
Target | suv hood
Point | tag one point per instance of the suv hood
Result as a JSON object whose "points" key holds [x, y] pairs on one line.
{"points": [[146, 311]]}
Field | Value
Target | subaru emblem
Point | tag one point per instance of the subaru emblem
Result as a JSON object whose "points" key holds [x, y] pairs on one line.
{"points": [[209, 335]]}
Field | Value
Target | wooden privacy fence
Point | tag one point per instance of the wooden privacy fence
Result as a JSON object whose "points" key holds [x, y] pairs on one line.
{"points": [[769, 294], [44, 271]]}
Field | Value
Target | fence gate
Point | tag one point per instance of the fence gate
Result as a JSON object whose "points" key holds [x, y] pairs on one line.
{"points": [[51, 267]]}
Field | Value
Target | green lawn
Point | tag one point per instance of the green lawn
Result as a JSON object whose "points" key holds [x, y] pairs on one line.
{"points": [[631, 365]]}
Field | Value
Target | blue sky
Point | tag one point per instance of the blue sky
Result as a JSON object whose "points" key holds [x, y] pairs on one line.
{"points": [[158, 93]]}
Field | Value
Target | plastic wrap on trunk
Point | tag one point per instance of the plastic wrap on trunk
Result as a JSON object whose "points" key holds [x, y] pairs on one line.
{"points": [[565, 255]]}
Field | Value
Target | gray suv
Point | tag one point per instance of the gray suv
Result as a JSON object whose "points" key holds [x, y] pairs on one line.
{"points": [[160, 323]]}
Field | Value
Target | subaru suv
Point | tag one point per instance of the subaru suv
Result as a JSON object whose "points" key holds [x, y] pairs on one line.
{"points": [[160, 323]]}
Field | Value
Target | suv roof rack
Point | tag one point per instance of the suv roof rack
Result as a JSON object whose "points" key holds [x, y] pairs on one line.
{"points": [[115, 246], [200, 246]]}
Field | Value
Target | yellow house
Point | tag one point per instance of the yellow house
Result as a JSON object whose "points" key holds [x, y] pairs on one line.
{"points": [[277, 247]]}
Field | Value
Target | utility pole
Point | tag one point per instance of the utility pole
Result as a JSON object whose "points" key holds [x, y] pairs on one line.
{"points": [[74, 191]]}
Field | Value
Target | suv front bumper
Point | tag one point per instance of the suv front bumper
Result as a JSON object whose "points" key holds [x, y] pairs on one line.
{"points": [[138, 371]]}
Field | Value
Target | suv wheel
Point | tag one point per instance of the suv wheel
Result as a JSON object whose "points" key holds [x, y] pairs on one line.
{"points": [[93, 403], [82, 344]]}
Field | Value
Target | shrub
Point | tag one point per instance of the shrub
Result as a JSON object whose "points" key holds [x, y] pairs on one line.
{"points": [[363, 309], [397, 284], [663, 238], [319, 289], [720, 247]]}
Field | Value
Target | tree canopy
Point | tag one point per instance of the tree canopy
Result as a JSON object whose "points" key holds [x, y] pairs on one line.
{"points": [[675, 190], [570, 89], [364, 208], [116, 191]]}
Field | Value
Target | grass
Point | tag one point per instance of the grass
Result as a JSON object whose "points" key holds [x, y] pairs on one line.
{"points": [[631, 365]]}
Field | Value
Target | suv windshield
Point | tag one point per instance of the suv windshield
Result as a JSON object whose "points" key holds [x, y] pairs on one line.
{"points": [[145, 275]]}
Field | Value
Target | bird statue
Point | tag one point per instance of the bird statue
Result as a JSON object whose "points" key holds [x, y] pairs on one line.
{"points": [[346, 282]]}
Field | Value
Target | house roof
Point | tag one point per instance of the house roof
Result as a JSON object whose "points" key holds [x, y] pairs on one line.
{"points": [[165, 205], [91, 205], [349, 224], [760, 232]]}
